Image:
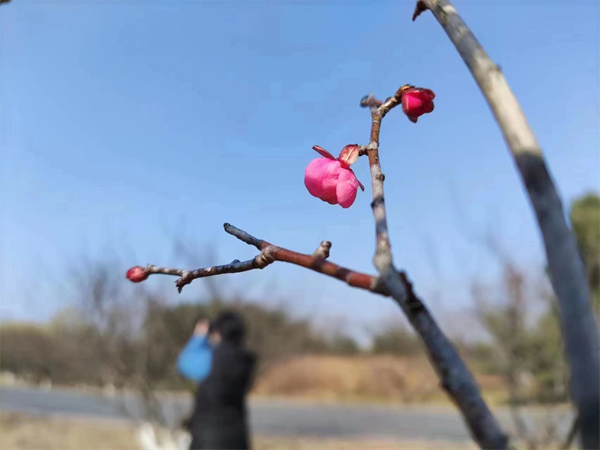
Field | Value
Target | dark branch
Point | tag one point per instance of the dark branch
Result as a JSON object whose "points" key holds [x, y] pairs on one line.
{"points": [[452, 371], [567, 273]]}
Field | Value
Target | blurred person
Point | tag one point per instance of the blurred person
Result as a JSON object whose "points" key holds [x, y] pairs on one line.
{"points": [[217, 360]]}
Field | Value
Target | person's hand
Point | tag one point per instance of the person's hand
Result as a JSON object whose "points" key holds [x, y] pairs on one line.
{"points": [[202, 327]]}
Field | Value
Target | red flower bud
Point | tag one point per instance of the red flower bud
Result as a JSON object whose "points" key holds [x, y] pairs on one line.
{"points": [[416, 102], [137, 274]]}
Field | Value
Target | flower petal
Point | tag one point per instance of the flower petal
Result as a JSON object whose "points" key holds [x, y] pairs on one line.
{"points": [[414, 101], [347, 186], [428, 108], [329, 190], [348, 155], [321, 151], [430, 93], [360, 185], [317, 172]]}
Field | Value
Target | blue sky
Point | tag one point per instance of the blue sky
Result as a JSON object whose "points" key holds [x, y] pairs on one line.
{"points": [[124, 123]]}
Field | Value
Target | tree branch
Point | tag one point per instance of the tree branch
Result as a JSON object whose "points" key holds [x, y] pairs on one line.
{"points": [[270, 253], [187, 276], [567, 273], [455, 377]]}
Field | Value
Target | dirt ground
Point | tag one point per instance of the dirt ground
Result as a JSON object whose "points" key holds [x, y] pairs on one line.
{"points": [[24, 432], [367, 378]]}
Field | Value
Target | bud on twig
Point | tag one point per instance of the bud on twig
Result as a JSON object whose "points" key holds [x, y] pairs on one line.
{"points": [[137, 274]]}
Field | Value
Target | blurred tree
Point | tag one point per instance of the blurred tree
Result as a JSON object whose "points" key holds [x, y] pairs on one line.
{"points": [[585, 220], [504, 319], [396, 340], [547, 360], [481, 355], [36, 354], [272, 333], [529, 358], [340, 344], [137, 347]]}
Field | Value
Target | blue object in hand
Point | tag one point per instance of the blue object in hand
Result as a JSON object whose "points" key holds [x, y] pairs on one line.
{"points": [[194, 361]]}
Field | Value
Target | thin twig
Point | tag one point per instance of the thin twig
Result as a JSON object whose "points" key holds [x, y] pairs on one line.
{"points": [[452, 371], [245, 237], [567, 274], [383, 257], [514, 323], [187, 276], [270, 253]]}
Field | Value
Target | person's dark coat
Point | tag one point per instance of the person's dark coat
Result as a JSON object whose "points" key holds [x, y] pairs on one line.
{"points": [[219, 420]]}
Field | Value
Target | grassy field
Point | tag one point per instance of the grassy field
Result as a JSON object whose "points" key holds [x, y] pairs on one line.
{"points": [[23, 432]]}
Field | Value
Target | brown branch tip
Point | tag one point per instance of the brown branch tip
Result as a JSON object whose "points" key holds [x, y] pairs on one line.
{"points": [[369, 101], [419, 8]]}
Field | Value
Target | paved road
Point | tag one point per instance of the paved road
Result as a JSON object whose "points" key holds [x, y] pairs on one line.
{"points": [[267, 417]]}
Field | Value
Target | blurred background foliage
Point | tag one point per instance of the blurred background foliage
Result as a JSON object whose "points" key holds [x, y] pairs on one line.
{"points": [[130, 338]]}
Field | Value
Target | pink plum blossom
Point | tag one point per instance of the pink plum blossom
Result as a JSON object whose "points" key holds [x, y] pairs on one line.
{"points": [[331, 179]]}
